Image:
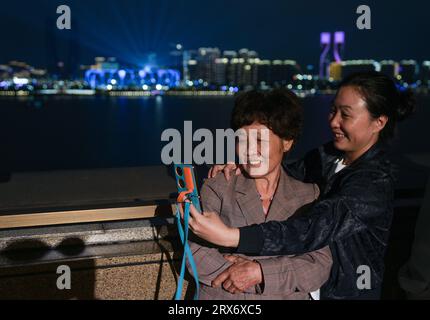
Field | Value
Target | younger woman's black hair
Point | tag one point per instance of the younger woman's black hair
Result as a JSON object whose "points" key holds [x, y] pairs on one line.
{"points": [[382, 98]]}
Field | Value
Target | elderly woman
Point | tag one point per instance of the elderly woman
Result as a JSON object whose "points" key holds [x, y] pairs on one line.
{"points": [[263, 193], [354, 212]]}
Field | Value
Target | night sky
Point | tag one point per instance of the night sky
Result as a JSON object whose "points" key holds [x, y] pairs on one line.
{"points": [[282, 29]]}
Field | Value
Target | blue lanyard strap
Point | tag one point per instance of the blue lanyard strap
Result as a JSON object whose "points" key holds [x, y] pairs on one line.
{"points": [[187, 252]]}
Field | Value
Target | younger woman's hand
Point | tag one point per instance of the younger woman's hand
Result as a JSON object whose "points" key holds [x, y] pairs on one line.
{"points": [[227, 169], [210, 227]]}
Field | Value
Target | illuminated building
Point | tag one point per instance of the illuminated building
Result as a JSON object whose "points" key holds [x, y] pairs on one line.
{"points": [[338, 46], [249, 74], [335, 71], [236, 70], [229, 54], [277, 72], [264, 67], [352, 66], [190, 66], [186, 57], [252, 71], [325, 41], [408, 71], [221, 71], [326, 68], [291, 69], [102, 63], [425, 73], [390, 68], [206, 63], [247, 54], [5, 72], [127, 78], [193, 74], [231, 67], [282, 71], [243, 53]]}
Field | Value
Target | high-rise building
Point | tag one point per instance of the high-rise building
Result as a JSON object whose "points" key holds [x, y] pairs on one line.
{"points": [[238, 67], [340, 70], [190, 65], [231, 67], [193, 72], [338, 46], [249, 73], [291, 69], [352, 66], [252, 54], [5, 72], [206, 63], [408, 71], [263, 74], [229, 54], [20, 69], [282, 71], [243, 53], [102, 63], [425, 73], [335, 71], [221, 71], [254, 63], [325, 41], [390, 68], [277, 72]]}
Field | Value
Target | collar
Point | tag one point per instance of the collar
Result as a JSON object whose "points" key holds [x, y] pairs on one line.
{"points": [[247, 196]]}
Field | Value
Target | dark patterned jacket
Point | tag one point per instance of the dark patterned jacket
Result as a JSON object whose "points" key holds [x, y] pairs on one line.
{"points": [[353, 216]]}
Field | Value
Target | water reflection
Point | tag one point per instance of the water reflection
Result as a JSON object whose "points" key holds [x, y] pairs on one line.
{"points": [[49, 133]]}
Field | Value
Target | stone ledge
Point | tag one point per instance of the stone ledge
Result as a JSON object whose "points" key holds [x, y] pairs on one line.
{"points": [[87, 234], [141, 270]]}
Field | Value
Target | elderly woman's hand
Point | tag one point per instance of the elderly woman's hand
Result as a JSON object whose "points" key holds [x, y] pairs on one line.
{"points": [[240, 276], [227, 169], [209, 226]]}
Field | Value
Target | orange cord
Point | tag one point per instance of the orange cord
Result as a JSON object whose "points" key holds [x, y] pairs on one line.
{"points": [[189, 183]]}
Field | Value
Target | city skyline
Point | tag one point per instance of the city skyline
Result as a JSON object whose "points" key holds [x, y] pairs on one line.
{"points": [[275, 29]]}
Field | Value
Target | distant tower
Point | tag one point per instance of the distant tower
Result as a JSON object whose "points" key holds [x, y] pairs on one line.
{"points": [[338, 46], [325, 44], [186, 57]]}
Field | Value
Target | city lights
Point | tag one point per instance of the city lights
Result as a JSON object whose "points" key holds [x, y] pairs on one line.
{"points": [[211, 69]]}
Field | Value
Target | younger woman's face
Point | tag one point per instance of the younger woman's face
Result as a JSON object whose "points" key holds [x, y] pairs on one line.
{"points": [[353, 127]]}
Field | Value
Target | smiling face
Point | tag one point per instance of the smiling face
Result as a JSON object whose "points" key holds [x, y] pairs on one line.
{"points": [[353, 127], [265, 154]]}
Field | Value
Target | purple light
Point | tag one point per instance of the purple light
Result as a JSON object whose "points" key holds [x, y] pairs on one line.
{"points": [[325, 38], [339, 37], [325, 42], [142, 73]]}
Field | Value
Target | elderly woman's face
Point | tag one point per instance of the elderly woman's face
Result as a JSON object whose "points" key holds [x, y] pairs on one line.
{"points": [[260, 150]]}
